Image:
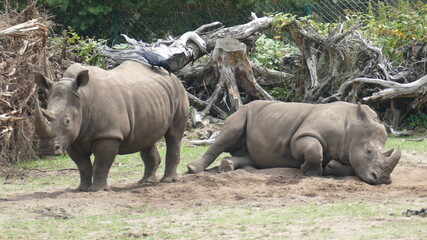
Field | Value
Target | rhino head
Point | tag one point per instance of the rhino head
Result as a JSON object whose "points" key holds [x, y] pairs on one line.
{"points": [[367, 156], [59, 125]]}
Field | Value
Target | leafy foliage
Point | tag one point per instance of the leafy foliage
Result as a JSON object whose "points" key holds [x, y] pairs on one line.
{"points": [[392, 28], [419, 120], [82, 14], [279, 93], [395, 26], [85, 50], [148, 19], [270, 52]]}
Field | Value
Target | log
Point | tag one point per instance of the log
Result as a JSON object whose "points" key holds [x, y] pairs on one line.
{"points": [[207, 141], [238, 32], [269, 77], [191, 45], [400, 90], [200, 103]]}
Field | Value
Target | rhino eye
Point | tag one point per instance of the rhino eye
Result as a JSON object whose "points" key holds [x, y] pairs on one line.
{"points": [[67, 122], [369, 151]]}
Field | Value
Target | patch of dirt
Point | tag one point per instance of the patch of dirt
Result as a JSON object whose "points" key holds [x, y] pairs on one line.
{"points": [[251, 185], [259, 189]]}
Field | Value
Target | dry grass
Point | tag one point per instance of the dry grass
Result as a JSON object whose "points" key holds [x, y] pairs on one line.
{"points": [[23, 50]]}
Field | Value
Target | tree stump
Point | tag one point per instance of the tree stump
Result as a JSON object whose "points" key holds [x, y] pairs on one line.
{"points": [[231, 65]]}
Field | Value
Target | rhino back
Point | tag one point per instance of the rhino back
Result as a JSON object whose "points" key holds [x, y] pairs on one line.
{"points": [[130, 103], [272, 130]]}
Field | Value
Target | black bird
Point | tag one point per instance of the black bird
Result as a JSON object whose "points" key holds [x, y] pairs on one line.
{"points": [[155, 59]]}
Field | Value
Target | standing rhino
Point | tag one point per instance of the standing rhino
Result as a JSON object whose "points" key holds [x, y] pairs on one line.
{"points": [[119, 111], [333, 139]]}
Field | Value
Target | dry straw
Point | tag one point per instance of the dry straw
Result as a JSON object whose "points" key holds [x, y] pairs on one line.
{"points": [[23, 50]]}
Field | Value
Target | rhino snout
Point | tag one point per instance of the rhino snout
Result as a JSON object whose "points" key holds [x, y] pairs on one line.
{"points": [[376, 177], [51, 147]]}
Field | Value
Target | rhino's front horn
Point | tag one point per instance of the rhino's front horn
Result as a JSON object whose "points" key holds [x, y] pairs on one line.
{"points": [[392, 161], [43, 129]]}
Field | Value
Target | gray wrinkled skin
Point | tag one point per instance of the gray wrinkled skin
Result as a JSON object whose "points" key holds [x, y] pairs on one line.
{"points": [[338, 139], [105, 113]]}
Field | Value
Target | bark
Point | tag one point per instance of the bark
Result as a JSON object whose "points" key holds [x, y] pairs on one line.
{"points": [[191, 45], [342, 66], [231, 75]]}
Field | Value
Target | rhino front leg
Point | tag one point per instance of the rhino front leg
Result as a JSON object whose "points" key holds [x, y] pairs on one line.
{"points": [[336, 168], [310, 150], [105, 151], [233, 163], [151, 159], [84, 165]]}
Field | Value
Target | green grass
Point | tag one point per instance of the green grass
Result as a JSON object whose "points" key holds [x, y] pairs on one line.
{"points": [[246, 221], [56, 170], [409, 146]]}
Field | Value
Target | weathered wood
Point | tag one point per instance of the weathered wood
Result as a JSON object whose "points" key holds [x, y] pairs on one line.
{"points": [[196, 119], [225, 57], [238, 32], [191, 45], [214, 97], [209, 141], [234, 69], [198, 102], [399, 90], [28, 28], [269, 77]]}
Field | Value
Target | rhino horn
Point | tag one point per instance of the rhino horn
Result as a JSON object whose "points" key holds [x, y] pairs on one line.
{"points": [[43, 129], [392, 161], [388, 152]]}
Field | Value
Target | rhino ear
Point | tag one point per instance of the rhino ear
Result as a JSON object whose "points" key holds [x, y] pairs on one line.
{"points": [[42, 81], [81, 80], [361, 113]]}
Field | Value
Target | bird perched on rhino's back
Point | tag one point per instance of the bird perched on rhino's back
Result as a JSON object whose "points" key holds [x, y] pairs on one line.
{"points": [[155, 59]]}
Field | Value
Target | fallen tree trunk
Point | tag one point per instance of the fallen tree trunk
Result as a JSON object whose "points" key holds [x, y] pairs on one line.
{"points": [[191, 45]]}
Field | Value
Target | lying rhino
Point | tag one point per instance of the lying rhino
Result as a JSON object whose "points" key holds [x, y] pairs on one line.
{"points": [[333, 139], [105, 113]]}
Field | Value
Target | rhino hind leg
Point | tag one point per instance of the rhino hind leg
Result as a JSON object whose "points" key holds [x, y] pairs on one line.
{"points": [[336, 168], [173, 139], [232, 138], [232, 163], [151, 158], [310, 150]]}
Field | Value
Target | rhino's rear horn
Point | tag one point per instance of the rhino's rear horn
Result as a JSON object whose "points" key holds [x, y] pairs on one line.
{"points": [[388, 152], [42, 126], [392, 161]]}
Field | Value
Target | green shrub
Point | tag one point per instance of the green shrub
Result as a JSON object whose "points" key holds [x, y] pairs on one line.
{"points": [[84, 50], [394, 27], [419, 120], [270, 52]]}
